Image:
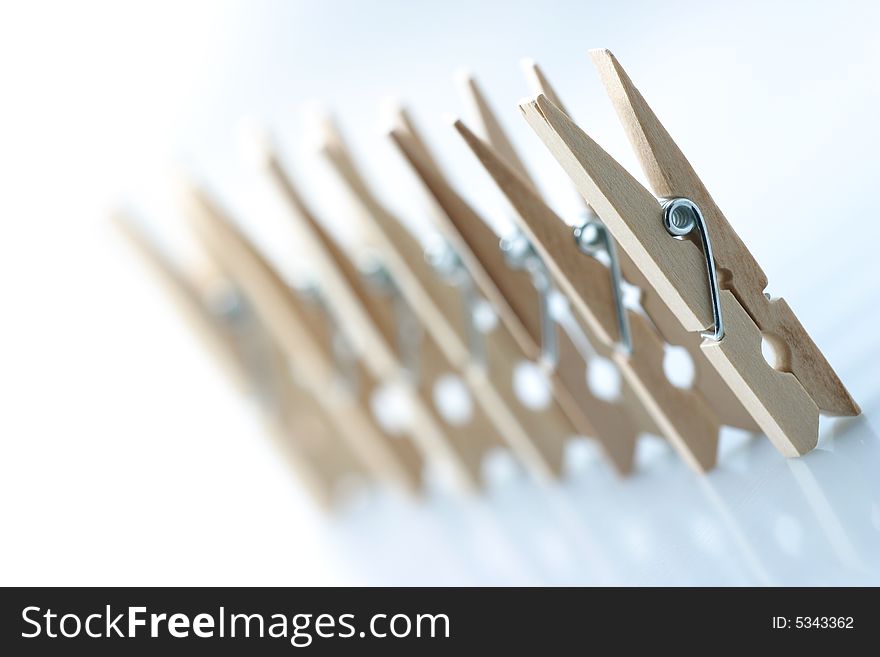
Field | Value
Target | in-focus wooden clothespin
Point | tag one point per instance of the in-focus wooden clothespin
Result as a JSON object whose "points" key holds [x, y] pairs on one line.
{"points": [[392, 459], [711, 285], [728, 408], [445, 298], [301, 428], [689, 418], [386, 333], [519, 290]]}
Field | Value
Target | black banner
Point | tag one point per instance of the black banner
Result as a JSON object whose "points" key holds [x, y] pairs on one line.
{"points": [[117, 621]]}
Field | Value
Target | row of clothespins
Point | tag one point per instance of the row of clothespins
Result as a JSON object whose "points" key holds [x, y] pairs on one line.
{"points": [[478, 307]]}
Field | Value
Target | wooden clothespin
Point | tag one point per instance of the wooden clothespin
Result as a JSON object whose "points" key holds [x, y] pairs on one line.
{"points": [[712, 285], [392, 459], [301, 428], [446, 300], [707, 381], [388, 334], [690, 419]]}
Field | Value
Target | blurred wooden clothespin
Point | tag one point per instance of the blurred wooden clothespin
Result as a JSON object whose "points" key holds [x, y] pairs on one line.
{"points": [[302, 429], [381, 324], [307, 345]]}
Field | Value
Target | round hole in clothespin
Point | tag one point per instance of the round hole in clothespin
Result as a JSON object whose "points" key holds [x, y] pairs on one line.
{"points": [[532, 385], [484, 316], [558, 306], [452, 399], [775, 351], [678, 366], [603, 378], [499, 467], [391, 406]]}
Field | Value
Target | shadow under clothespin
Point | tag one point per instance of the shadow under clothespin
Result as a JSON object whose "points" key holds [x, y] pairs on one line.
{"points": [[710, 285], [221, 316]]}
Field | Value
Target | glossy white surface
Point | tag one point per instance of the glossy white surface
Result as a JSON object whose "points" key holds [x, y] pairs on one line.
{"points": [[128, 459]]}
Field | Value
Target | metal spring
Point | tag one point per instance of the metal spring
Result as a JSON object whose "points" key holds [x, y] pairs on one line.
{"points": [[593, 239]]}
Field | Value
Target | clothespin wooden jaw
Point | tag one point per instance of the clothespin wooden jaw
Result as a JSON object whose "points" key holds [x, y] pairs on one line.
{"points": [[676, 270]]}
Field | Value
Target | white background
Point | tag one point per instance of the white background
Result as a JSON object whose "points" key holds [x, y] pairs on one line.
{"points": [[127, 458]]}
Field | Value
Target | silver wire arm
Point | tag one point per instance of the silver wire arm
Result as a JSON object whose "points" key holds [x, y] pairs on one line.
{"points": [[680, 217], [593, 239]]}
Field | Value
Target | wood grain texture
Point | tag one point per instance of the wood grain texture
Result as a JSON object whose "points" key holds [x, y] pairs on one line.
{"points": [[670, 174], [540, 84], [707, 380], [491, 129], [671, 267], [392, 458]]}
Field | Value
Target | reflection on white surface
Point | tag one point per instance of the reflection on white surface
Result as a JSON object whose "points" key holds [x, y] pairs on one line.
{"points": [[759, 519]]}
